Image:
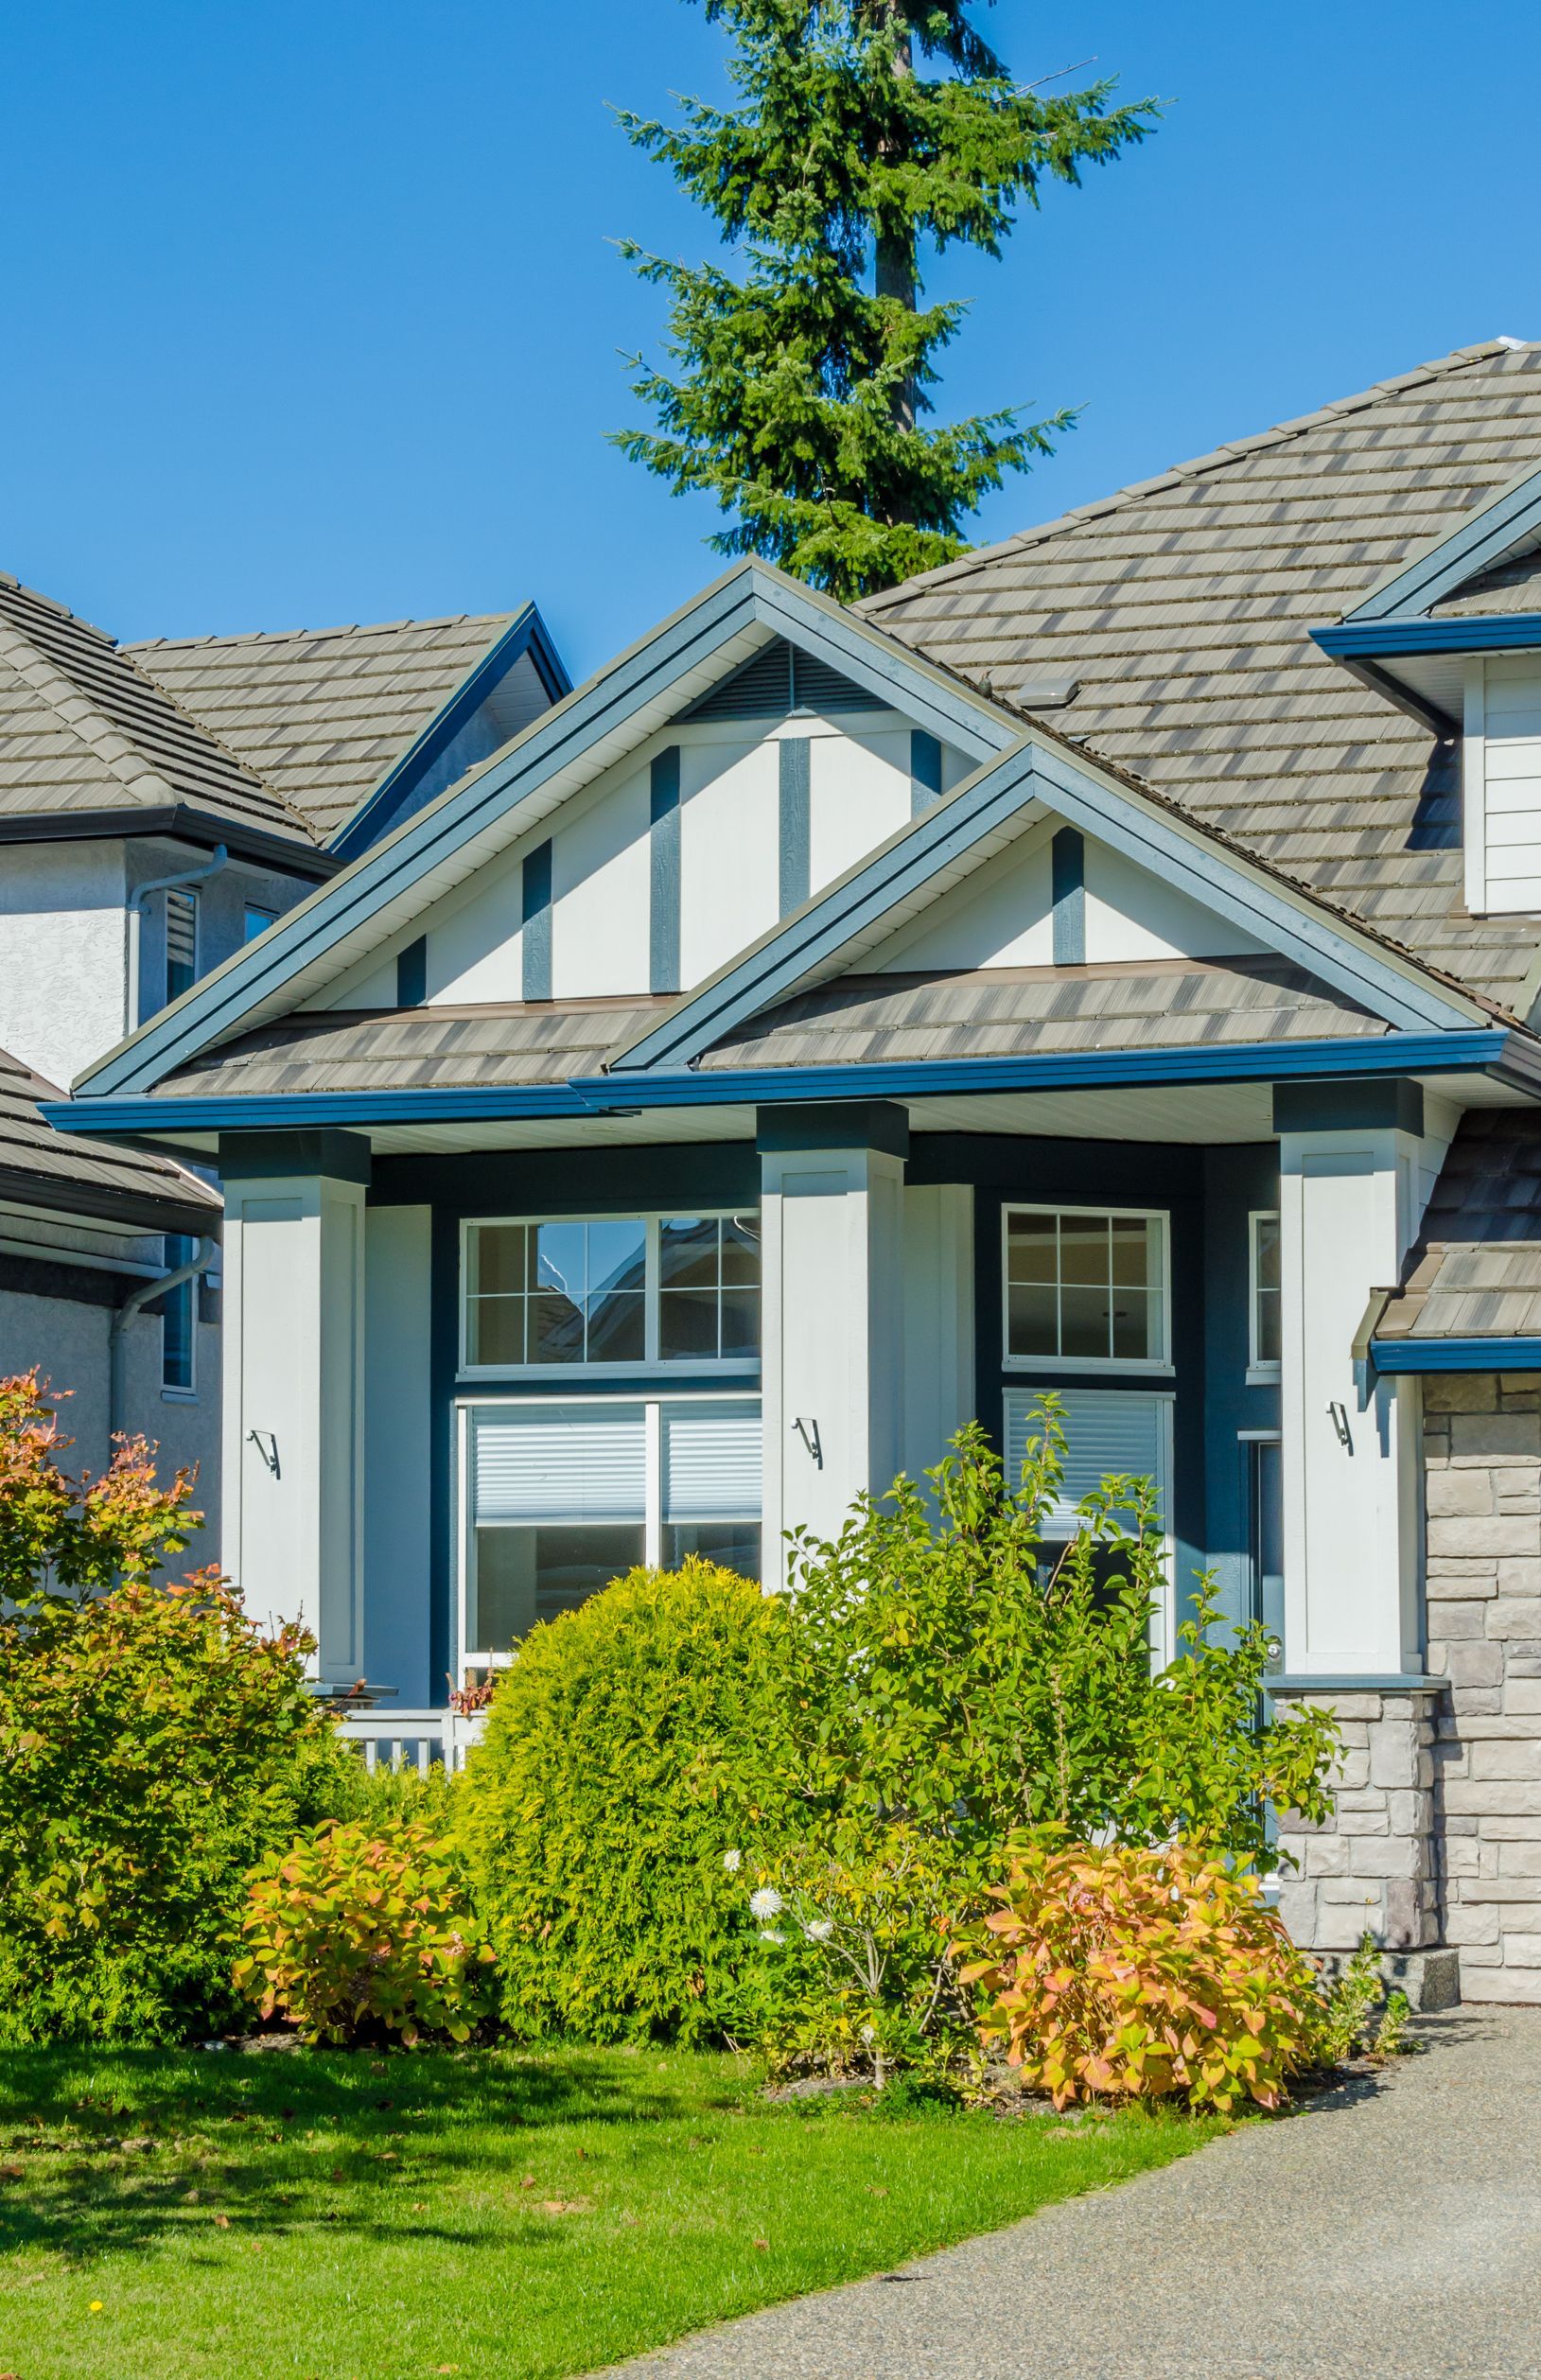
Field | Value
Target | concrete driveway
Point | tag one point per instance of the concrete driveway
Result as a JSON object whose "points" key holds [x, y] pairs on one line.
{"points": [[1393, 2231]]}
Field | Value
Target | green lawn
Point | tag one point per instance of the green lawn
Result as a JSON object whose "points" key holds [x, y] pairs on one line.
{"points": [[498, 2214]]}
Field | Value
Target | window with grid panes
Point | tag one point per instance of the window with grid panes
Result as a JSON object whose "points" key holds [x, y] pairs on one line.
{"points": [[1085, 1286]]}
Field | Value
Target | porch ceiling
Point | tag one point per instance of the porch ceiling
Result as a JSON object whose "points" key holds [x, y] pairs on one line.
{"points": [[1191, 1114]]}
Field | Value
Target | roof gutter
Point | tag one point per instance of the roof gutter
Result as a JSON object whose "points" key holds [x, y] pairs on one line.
{"points": [[1481, 1050], [1455, 1354], [181, 824]]}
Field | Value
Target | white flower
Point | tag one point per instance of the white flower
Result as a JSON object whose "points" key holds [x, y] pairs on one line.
{"points": [[733, 1862], [869, 2034], [766, 1935], [766, 1902], [819, 1929]]}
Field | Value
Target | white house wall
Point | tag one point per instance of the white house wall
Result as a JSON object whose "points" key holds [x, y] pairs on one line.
{"points": [[860, 791], [1501, 764], [1004, 917], [63, 955]]}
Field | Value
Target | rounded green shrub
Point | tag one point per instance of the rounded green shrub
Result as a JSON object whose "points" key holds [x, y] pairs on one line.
{"points": [[631, 1753]]}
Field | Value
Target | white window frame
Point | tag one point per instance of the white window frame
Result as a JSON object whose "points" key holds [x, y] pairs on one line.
{"points": [[1157, 1367], [652, 1402], [650, 1365], [1262, 1372], [1163, 1626]]}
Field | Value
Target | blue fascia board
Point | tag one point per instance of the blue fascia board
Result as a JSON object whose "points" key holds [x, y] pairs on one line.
{"points": [[598, 1095], [1456, 1354], [1371, 640], [526, 633], [1482, 538]]}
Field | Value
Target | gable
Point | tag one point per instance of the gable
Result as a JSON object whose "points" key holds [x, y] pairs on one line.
{"points": [[697, 843], [1060, 898]]}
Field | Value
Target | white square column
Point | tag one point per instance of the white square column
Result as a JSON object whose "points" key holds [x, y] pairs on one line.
{"points": [[832, 1225], [1357, 1165], [293, 1382]]}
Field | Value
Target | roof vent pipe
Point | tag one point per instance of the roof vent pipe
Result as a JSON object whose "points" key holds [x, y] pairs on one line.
{"points": [[132, 1018], [117, 1333]]}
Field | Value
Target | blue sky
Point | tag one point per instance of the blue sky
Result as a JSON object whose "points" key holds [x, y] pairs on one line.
{"points": [[309, 311]]}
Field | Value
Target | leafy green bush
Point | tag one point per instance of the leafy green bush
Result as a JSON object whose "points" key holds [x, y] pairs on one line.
{"points": [[353, 1931], [152, 1745], [629, 1754], [952, 1669], [1123, 1974]]}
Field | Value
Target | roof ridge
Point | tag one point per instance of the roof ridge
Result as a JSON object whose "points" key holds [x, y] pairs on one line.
{"points": [[1234, 450], [340, 628]]}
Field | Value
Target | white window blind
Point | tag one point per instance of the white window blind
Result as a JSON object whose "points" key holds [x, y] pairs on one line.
{"points": [[546, 1464], [712, 1462], [1106, 1429]]}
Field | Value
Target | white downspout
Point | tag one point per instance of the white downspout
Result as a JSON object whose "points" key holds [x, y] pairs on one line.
{"points": [[131, 1019], [117, 1334]]}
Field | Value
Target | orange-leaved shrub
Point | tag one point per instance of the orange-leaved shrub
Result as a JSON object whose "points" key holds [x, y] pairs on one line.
{"points": [[359, 1930], [1123, 1974]]}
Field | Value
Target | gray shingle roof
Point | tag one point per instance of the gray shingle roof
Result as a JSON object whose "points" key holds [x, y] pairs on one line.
{"points": [[1008, 1011], [1508, 586], [321, 714], [414, 1048], [1017, 1011], [1476, 1271], [58, 1170], [83, 728], [1182, 607]]}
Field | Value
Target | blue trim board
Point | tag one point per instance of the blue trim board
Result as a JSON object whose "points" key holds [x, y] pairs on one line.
{"points": [[1456, 1354], [1482, 538], [1388, 639], [663, 871], [597, 1094], [536, 922], [925, 771], [1067, 860], [795, 758], [527, 633]]}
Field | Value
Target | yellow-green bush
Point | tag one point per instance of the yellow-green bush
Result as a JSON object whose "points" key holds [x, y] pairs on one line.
{"points": [[355, 1931], [629, 1758], [1119, 1973]]}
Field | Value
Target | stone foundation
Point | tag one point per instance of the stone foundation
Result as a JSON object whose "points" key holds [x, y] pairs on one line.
{"points": [[1482, 1451], [1372, 1865]]}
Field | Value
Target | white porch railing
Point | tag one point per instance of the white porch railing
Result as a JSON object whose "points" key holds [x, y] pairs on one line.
{"points": [[412, 1739]]}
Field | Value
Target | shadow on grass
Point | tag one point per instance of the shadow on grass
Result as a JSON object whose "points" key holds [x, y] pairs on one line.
{"points": [[103, 2151]]}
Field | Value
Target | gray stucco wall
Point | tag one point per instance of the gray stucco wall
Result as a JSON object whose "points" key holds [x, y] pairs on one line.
{"points": [[67, 1340]]}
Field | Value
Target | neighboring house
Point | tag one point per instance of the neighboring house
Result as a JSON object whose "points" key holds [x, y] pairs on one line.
{"points": [[160, 807], [1106, 965]]}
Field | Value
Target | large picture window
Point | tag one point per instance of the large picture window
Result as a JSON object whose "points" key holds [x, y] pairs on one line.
{"points": [[561, 1498], [622, 1291], [1085, 1286]]}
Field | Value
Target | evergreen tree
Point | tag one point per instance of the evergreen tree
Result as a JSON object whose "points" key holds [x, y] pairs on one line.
{"points": [[799, 391]]}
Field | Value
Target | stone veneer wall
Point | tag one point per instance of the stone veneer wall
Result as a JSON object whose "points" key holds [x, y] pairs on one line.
{"points": [[1373, 1864], [1482, 1453]]}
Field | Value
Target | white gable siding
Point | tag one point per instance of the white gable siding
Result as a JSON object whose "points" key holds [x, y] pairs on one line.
{"points": [[1502, 784], [1004, 917], [729, 847], [602, 873]]}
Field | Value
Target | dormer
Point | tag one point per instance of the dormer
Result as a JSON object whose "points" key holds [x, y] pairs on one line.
{"points": [[1454, 636]]}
